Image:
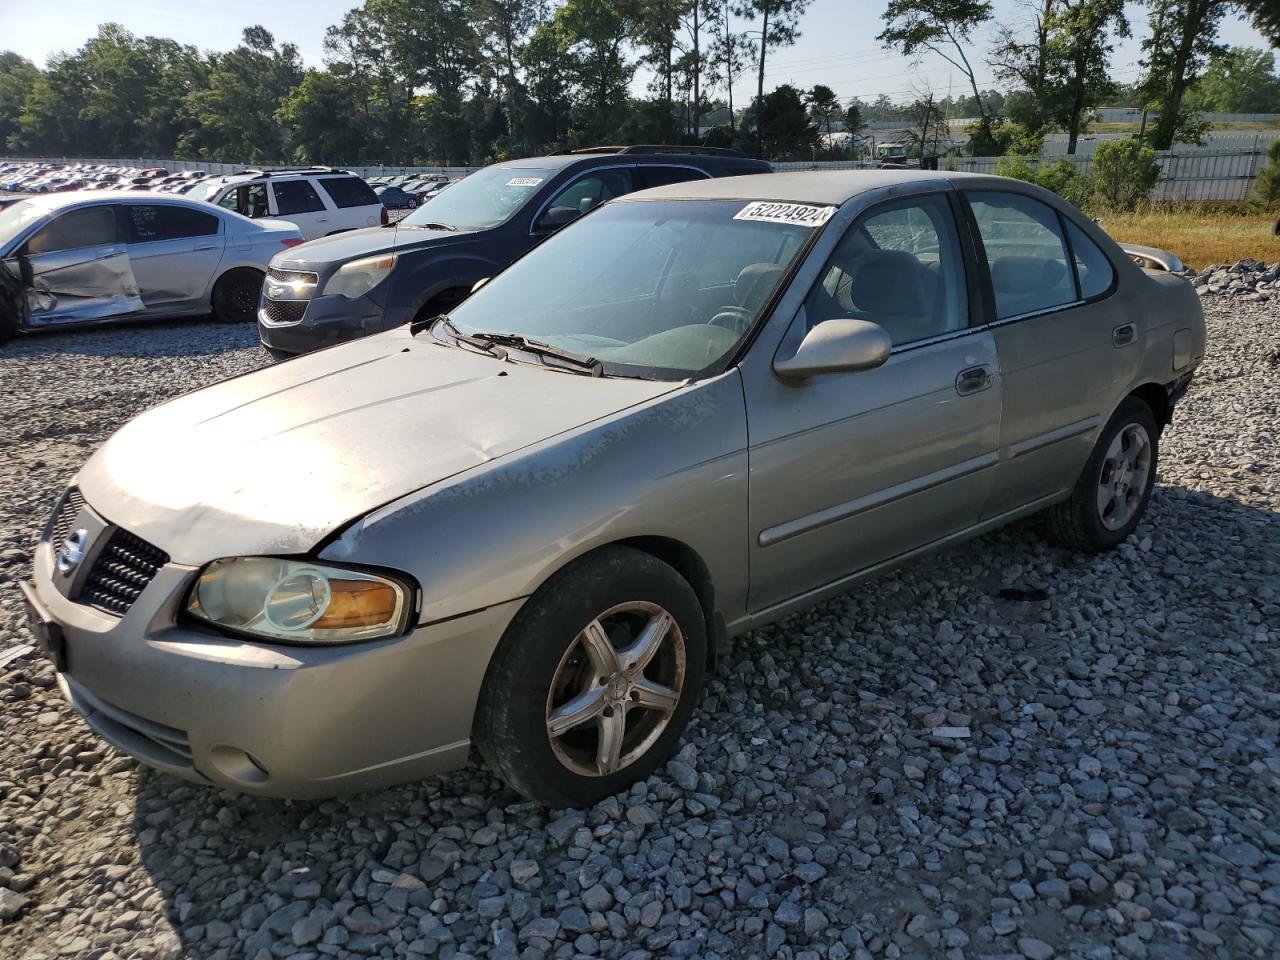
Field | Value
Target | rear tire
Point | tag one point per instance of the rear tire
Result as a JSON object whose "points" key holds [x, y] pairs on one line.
{"points": [[593, 683], [1111, 495], [235, 295]]}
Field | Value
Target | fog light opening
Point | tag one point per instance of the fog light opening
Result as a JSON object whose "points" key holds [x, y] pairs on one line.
{"points": [[235, 764]]}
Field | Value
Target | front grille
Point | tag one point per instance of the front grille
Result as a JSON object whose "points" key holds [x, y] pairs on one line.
{"points": [[64, 515], [284, 311], [123, 568], [293, 276]]}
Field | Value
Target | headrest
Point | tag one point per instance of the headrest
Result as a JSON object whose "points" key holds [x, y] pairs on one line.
{"points": [[1025, 274], [755, 282], [887, 282]]}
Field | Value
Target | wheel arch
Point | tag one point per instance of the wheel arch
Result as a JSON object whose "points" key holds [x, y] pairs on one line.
{"points": [[685, 561], [1157, 398], [225, 271]]}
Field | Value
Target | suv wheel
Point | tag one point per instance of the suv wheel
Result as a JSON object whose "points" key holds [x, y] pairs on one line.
{"points": [[594, 682], [235, 295], [1111, 495]]}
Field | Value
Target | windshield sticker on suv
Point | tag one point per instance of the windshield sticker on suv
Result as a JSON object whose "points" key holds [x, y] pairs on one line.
{"points": [[801, 214], [524, 181]]}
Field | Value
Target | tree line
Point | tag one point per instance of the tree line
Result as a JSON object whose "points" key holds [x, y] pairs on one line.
{"points": [[473, 81]]}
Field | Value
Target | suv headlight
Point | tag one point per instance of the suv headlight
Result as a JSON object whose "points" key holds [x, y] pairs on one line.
{"points": [[358, 277], [299, 601]]}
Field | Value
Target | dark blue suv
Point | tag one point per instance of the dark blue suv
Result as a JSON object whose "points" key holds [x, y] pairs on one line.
{"points": [[360, 282]]}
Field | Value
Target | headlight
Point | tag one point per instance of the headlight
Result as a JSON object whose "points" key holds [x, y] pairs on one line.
{"points": [[298, 600], [358, 277]]}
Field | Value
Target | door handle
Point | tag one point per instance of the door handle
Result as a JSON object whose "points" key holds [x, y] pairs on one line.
{"points": [[207, 246], [973, 380], [1123, 335]]}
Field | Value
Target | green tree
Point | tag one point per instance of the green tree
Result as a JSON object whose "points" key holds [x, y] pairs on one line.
{"points": [[1124, 171], [1184, 34], [1266, 17], [1266, 191], [731, 51], [779, 27], [782, 124], [1021, 57], [1079, 43], [595, 34], [656, 26], [234, 117], [545, 60], [504, 26], [17, 78], [942, 27], [1237, 80], [325, 120], [824, 107]]}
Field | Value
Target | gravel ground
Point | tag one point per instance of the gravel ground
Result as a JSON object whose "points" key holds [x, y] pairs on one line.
{"points": [[1007, 751]]}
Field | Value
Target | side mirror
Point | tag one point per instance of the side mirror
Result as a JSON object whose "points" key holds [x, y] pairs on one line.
{"points": [[554, 219], [479, 283], [836, 346]]}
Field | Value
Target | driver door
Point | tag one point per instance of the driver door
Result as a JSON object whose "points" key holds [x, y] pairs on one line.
{"points": [[80, 269], [851, 470]]}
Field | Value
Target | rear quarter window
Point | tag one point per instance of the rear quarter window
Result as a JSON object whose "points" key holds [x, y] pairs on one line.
{"points": [[348, 191]]}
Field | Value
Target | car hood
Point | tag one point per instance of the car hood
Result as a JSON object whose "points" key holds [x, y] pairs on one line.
{"points": [[273, 461], [366, 242]]}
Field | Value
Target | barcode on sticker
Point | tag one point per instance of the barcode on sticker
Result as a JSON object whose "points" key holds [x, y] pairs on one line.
{"points": [[524, 181], [801, 214]]}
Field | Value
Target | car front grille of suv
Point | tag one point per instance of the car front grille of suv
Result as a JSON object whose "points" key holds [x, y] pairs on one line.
{"points": [[284, 311], [123, 568]]}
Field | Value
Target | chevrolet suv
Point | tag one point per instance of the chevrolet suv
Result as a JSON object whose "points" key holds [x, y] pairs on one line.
{"points": [[366, 281]]}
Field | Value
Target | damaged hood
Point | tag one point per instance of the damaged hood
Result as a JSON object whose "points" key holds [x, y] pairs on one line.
{"points": [[273, 461]]}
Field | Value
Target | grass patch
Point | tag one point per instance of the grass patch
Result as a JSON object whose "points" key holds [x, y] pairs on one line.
{"points": [[1199, 235]]}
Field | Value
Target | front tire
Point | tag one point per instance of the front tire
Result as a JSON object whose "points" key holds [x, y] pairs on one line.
{"points": [[593, 683], [1111, 495], [235, 295]]}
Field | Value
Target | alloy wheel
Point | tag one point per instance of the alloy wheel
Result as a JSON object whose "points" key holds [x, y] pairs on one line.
{"points": [[616, 689], [1122, 481]]}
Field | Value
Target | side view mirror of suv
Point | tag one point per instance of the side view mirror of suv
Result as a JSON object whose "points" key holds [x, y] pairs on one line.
{"points": [[554, 219]]}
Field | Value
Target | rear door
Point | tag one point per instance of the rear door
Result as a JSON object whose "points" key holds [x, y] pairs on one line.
{"points": [[1067, 350], [80, 268], [298, 202], [354, 204], [175, 251]]}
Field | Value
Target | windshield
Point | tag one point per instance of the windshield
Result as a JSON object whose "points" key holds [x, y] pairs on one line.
{"points": [[482, 200], [659, 288], [16, 218]]}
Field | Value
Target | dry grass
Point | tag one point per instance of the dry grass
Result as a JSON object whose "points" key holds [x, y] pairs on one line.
{"points": [[1199, 235]]}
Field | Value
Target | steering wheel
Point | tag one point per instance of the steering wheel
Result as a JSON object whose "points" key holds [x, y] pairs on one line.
{"points": [[732, 318]]}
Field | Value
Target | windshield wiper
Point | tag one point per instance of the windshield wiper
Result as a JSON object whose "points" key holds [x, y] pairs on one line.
{"points": [[541, 349], [482, 344], [430, 225]]}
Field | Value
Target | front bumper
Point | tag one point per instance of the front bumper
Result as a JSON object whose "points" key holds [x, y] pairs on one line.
{"points": [[268, 719], [313, 324]]}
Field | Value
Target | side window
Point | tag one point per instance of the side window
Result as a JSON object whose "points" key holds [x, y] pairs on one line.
{"points": [[1025, 252], [255, 200], [146, 223], [231, 201], [87, 227], [348, 192], [1092, 266], [647, 177], [592, 190], [296, 196], [900, 266]]}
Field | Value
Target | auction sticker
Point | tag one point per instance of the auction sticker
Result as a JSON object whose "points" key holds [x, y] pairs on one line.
{"points": [[800, 214], [524, 181]]}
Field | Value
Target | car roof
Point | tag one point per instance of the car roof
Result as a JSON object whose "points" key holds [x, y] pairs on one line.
{"points": [[819, 186], [55, 201]]}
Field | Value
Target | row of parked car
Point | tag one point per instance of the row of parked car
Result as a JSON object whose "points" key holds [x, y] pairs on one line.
{"points": [[643, 403], [63, 177]]}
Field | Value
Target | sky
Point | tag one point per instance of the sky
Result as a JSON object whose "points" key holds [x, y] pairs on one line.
{"points": [[837, 46]]}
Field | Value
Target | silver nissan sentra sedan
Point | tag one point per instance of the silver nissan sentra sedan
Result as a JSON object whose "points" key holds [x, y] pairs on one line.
{"points": [[522, 527]]}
